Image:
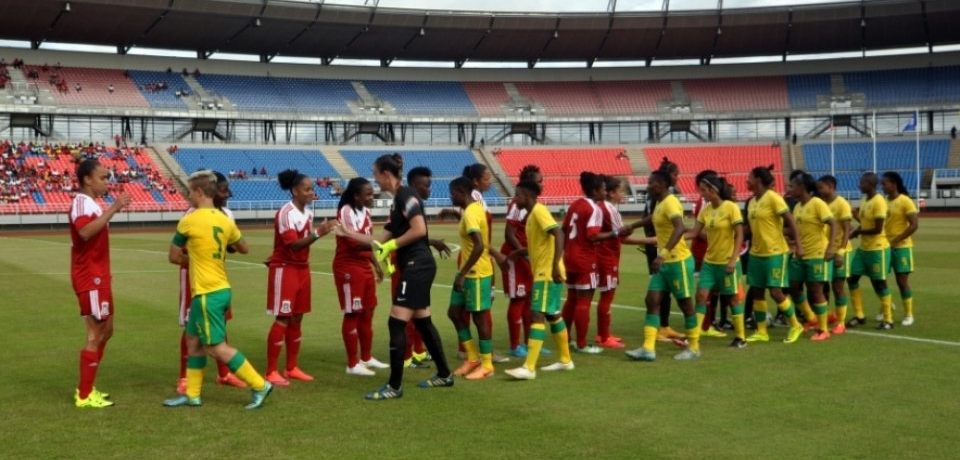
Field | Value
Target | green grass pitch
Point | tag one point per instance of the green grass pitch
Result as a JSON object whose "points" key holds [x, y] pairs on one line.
{"points": [[862, 395]]}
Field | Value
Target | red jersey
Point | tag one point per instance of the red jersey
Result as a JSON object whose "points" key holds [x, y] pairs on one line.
{"points": [[516, 218], [349, 256], [290, 225], [583, 220], [609, 251], [90, 259], [698, 247]]}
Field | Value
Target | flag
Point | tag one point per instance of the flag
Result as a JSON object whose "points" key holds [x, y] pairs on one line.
{"points": [[912, 124]]}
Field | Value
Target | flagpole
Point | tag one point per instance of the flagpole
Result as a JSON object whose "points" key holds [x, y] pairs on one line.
{"points": [[916, 114], [833, 159], [873, 134]]}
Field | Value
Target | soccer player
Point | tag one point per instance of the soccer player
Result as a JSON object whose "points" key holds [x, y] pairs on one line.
{"points": [[720, 272], [698, 247], [517, 278], [90, 274], [288, 277], [406, 233], [545, 249], [840, 208], [768, 214], [672, 271], [818, 235], [608, 260], [472, 285], [356, 277], [666, 333], [207, 234], [900, 226], [224, 376], [872, 258]]}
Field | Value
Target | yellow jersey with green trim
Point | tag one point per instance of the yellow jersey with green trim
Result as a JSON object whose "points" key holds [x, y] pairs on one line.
{"points": [[813, 224], [720, 223], [766, 224], [870, 210], [474, 220], [540, 243], [663, 215], [900, 209], [206, 233], [841, 210]]}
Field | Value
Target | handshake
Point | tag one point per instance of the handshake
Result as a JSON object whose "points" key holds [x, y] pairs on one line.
{"points": [[382, 251]]}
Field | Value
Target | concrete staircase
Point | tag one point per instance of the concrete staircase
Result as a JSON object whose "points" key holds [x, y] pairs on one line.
{"points": [[201, 94], [837, 87], [169, 166], [21, 86], [341, 165], [792, 157], [368, 104], [638, 161], [519, 101], [502, 182], [953, 159]]}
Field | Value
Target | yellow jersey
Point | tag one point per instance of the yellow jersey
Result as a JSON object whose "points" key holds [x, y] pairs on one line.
{"points": [[766, 224], [871, 210], [540, 244], [812, 223], [474, 220], [841, 210], [720, 223], [663, 215], [900, 209], [206, 233]]}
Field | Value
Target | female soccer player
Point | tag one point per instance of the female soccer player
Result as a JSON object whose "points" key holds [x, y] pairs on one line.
{"points": [[608, 260], [406, 233], [90, 274], [872, 258], [698, 247], [815, 266], [666, 333], [720, 272], [288, 278], [768, 215], [517, 278], [900, 226], [840, 208], [356, 277], [545, 249]]}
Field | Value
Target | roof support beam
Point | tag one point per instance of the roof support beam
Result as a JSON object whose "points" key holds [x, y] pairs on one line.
{"points": [[266, 58], [786, 42], [926, 25], [327, 60], [123, 49], [458, 63], [385, 62], [204, 54]]}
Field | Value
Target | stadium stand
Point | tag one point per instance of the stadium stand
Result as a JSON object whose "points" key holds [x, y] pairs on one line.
{"points": [[313, 95], [94, 86], [858, 156], [160, 88], [739, 94], [733, 161], [631, 97], [247, 93], [563, 98], [487, 98], [803, 90], [906, 86], [424, 98], [445, 165], [562, 167]]}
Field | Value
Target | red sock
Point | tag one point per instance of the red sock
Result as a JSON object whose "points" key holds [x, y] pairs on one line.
{"points": [[412, 335], [569, 307], [89, 363], [274, 345], [515, 321], [711, 313], [294, 335], [183, 355], [604, 314], [348, 329], [527, 319], [581, 319], [466, 320], [416, 339], [365, 329]]}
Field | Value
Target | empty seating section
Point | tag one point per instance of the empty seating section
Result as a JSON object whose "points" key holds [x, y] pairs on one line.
{"points": [[248, 93], [440, 193], [858, 156], [906, 86], [443, 163], [947, 173], [630, 97], [160, 98], [804, 89], [848, 182], [309, 162], [94, 86], [274, 94], [565, 162], [562, 98], [313, 95], [739, 94], [732, 161], [423, 98], [487, 98]]}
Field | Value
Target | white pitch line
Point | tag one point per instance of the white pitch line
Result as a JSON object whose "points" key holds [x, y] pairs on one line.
{"points": [[904, 337]]}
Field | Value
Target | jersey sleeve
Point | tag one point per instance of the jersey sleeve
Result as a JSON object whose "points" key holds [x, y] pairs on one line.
{"points": [[736, 215], [286, 227], [183, 230], [824, 212], [672, 208], [778, 204], [474, 219], [594, 222], [411, 206], [880, 209], [513, 216], [232, 233], [542, 217], [909, 207], [844, 212]]}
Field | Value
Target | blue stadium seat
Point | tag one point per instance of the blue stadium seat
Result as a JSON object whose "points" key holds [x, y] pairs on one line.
{"points": [[906, 86], [804, 89], [858, 156], [165, 99], [282, 94], [424, 98], [443, 163]]}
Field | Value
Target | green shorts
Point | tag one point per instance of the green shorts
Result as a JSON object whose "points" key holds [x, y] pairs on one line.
{"points": [[714, 277], [843, 272], [677, 277], [208, 316], [901, 260], [476, 294], [768, 271], [811, 270], [873, 264], [546, 297]]}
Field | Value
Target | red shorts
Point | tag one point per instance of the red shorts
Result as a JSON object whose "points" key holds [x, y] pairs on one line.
{"points": [[288, 290], [583, 281], [609, 278], [518, 279], [97, 303], [357, 291], [186, 297]]}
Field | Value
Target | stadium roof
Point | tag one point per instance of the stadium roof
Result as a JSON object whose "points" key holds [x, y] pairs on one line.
{"points": [[317, 29]]}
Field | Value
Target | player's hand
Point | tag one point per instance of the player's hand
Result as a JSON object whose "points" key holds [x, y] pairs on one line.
{"points": [[731, 268], [458, 282], [625, 231], [655, 266], [837, 261], [855, 233], [515, 254], [326, 226], [442, 248], [121, 202], [382, 251], [378, 272], [557, 274], [798, 252], [828, 256]]}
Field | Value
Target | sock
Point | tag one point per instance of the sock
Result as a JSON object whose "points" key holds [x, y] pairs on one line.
{"points": [[534, 344], [710, 313], [274, 345], [515, 321], [569, 307], [365, 333], [841, 309], [89, 363], [804, 306], [907, 298], [822, 319], [222, 369], [398, 344], [737, 312], [195, 365], [856, 298], [245, 371], [725, 302], [886, 305], [466, 320], [701, 310], [665, 311], [581, 319], [760, 315], [466, 341], [411, 333], [527, 319], [693, 332], [558, 329], [604, 314], [183, 356], [294, 338], [650, 332], [348, 330], [486, 353], [789, 311], [431, 338]]}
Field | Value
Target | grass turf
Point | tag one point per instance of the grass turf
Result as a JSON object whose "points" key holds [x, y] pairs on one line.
{"points": [[855, 396]]}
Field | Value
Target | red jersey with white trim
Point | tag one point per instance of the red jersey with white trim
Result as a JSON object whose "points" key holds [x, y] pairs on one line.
{"points": [[608, 252], [349, 255], [698, 246], [289, 225], [90, 259], [583, 220], [516, 218]]}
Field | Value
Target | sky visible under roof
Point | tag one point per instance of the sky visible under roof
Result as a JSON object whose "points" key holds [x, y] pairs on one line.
{"points": [[543, 6]]}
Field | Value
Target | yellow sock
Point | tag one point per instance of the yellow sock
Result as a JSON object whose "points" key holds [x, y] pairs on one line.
{"points": [[693, 338], [841, 314], [856, 298], [471, 348], [789, 311], [808, 314], [823, 321], [738, 328], [760, 312], [250, 376], [908, 306], [486, 360], [559, 331], [194, 382], [649, 338], [886, 304]]}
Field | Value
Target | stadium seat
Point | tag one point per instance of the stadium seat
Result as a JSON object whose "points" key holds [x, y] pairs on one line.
{"points": [[94, 84]]}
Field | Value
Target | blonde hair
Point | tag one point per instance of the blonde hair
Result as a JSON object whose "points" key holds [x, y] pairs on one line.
{"points": [[204, 180]]}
